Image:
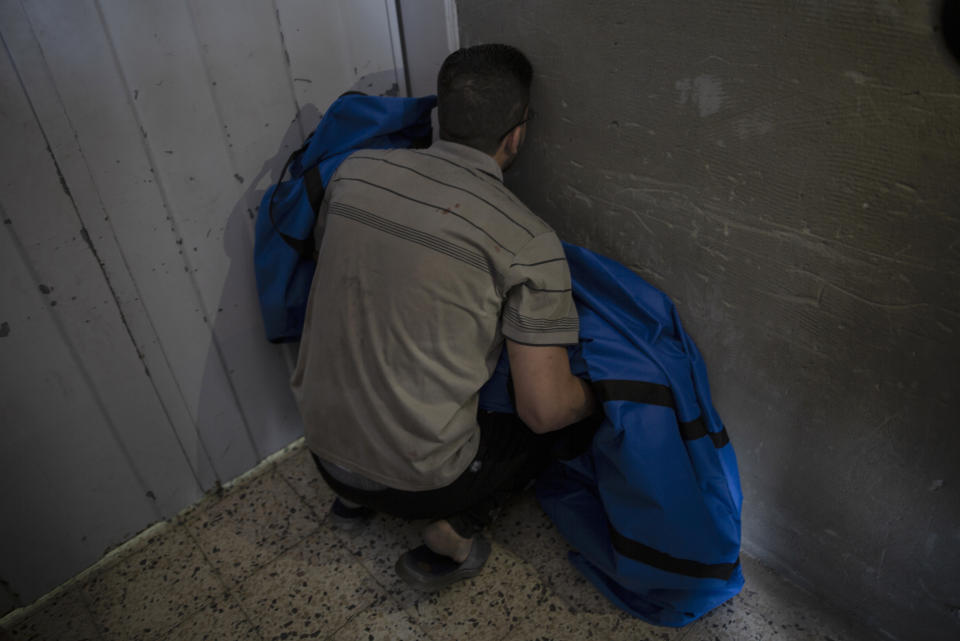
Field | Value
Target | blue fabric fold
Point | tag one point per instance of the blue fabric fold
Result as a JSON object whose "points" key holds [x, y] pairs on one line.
{"points": [[352, 122], [652, 508]]}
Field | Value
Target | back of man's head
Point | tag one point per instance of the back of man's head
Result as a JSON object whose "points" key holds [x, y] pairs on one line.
{"points": [[482, 92]]}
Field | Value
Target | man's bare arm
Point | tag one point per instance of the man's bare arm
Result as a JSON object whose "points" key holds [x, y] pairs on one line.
{"points": [[548, 396]]}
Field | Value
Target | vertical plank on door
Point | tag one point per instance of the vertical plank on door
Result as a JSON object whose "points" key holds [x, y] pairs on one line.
{"points": [[369, 47], [103, 107], [143, 413], [242, 56], [358, 52], [79, 414]]}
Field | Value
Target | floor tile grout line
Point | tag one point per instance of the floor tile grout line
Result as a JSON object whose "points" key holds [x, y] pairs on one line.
{"points": [[162, 636], [354, 615], [262, 566], [236, 591], [423, 635], [221, 580], [420, 628], [165, 633], [391, 596], [87, 605], [303, 499]]}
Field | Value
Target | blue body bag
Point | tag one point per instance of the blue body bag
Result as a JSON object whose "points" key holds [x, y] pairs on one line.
{"points": [[283, 252], [652, 507]]}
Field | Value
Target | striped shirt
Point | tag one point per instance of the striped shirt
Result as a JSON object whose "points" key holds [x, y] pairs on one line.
{"points": [[426, 262]]}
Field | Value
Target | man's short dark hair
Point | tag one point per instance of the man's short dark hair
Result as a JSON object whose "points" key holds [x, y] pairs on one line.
{"points": [[482, 92]]}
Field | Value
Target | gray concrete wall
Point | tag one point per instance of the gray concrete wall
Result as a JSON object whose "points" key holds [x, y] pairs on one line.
{"points": [[789, 172]]}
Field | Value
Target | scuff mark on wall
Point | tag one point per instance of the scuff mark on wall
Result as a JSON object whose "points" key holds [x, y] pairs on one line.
{"points": [[748, 128], [888, 8], [4, 329], [704, 91], [56, 166], [857, 77]]}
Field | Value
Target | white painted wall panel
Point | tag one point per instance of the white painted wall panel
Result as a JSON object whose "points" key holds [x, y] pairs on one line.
{"points": [[138, 138], [64, 143], [333, 47], [44, 221], [365, 28], [157, 51], [242, 52], [79, 448], [104, 107], [79, 412], [252, 92]]}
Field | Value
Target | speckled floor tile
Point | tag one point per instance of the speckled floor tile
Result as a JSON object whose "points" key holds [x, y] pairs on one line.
{"points": [[64, 618], [735, 620], [489, 606], [377, 546], [145, 594], [222, 618], [301, 473], [768, 607], [251, 525], [384, 621], [526, 531], [310, 591], [553, 620], [261, 562], [578, 592]]}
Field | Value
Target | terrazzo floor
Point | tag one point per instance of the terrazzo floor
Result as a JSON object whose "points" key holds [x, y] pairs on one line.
{"points": [[258, 562]]}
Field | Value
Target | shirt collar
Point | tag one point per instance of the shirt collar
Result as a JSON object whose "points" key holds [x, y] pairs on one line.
{"points": [[468, 156]]}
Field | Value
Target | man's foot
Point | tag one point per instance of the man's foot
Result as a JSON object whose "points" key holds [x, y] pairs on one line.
{"points": [[441, 538], [348, 517], [423, 569]]}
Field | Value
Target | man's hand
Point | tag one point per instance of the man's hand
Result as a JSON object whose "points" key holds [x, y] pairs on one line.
{"points": [[548, 396]]}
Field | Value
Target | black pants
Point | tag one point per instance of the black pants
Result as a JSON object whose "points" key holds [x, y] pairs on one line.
{"points": [[509, 457]]}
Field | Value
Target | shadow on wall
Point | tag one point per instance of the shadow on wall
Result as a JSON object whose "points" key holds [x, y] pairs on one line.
{"points": [[947, 25], [257, 372]]}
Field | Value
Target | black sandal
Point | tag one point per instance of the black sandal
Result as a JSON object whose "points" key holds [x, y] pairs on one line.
{"points": [[346, 518], [424, 569]]}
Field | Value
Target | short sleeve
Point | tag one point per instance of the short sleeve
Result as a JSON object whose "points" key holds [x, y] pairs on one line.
{"points": [[539, 309]]}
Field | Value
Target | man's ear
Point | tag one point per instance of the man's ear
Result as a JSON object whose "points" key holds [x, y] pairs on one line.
{"points": [[509, 148], [514, 139]]}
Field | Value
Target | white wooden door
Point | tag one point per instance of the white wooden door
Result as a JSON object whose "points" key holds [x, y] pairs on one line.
{"points": [[137, 139]]}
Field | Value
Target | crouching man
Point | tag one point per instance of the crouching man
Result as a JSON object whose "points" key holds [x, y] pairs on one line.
{"points": [[427, 265]]}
